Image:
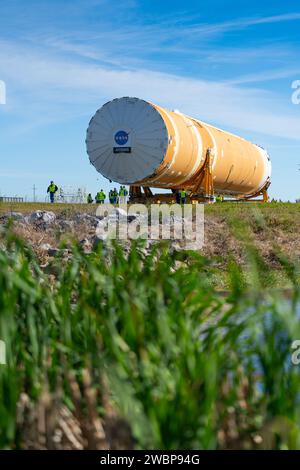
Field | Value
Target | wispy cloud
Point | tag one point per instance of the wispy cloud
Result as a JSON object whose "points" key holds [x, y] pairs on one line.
{"points": [[265, 76], [242, 23], [275, 53], [276, 18], [64, 74], [135, 38], [70, 88]]}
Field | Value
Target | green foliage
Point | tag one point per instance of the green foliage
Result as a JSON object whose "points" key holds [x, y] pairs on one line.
{"points": [[187, 366]]}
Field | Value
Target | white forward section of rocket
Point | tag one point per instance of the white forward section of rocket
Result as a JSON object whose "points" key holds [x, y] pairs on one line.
{"points": [[127, 140]]}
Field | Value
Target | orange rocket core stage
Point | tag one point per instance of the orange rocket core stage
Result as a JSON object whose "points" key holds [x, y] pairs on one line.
{"points": [[238, 167]]}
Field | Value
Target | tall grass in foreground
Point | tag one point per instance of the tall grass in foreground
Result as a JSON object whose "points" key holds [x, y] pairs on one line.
{"points": [[185, 366]]}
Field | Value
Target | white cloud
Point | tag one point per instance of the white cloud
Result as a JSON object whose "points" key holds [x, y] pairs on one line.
{"points": [[265, 76], [135, 38], [242, 23], [53, 86]]}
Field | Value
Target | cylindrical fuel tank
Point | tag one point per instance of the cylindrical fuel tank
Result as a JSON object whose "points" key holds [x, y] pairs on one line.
{"points": [[138, 143]]}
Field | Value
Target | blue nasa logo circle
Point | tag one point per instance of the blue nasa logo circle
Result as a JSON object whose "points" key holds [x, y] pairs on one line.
{"points": [[121, 138]]}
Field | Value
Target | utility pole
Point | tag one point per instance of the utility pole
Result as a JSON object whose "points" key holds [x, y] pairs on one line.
{"points": [[34, 192]]}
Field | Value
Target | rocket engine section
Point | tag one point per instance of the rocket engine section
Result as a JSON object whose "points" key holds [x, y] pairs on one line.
{"points": [[134, 142]]}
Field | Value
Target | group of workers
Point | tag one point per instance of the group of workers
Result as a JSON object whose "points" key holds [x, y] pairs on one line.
{"points": [[114, 196], [120, 196]]}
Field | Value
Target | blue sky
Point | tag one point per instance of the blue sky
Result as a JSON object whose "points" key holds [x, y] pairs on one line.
{"points": [[230, 63]]}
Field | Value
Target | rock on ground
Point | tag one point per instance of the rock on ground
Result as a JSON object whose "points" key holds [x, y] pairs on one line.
{"points": [[47, 217]]}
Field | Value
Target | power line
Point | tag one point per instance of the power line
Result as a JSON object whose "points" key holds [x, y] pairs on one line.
{"points": [[34, 193]]}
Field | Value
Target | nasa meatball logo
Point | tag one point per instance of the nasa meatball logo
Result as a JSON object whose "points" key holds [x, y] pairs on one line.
{"points": [[121, 138]]}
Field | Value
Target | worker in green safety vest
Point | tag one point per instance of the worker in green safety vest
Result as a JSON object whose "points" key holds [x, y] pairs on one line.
{"points": [[100, 197], [114, 196], [89, 199], [182, 196], [52, 188], [219, 198], [122, 195]]}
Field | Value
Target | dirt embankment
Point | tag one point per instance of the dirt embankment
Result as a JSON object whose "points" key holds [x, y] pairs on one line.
{"points": [[229, 228]]}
